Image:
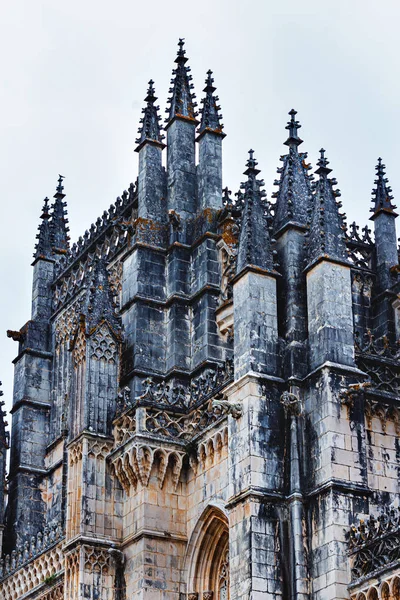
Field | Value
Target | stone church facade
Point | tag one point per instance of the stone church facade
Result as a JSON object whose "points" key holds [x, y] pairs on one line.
{"points": [[206, 397]]}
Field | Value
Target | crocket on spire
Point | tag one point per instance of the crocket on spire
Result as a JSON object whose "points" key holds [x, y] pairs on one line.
{"points": [[59, 222], [210, 117], [150, 129], [254, 247], [182, 104]]}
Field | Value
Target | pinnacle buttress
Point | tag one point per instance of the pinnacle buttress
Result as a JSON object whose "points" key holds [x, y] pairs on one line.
{"points": [[210, 117], [294, 196], [59, 222], [150, 129], [43, 247], [326, 236], [254, 248], [382, 197], [182, 100]]}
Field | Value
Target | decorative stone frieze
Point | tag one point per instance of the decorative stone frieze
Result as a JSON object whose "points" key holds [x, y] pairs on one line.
{"points": [[134, 464], [32, 575]]}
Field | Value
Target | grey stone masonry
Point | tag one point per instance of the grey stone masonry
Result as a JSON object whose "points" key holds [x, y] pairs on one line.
{"points": [[207, 395]]}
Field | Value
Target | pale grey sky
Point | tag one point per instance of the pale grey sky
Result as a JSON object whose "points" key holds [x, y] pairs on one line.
{"points": [[75, 75]]}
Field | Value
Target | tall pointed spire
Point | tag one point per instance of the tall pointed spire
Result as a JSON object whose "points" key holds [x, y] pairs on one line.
{"points": [[210, 117], [382, 197], [326, 237], [254, 240], [43, 245], [59, 227], [182, 104], [150, 129], [4, 439], [294, 195], [100, 302]]}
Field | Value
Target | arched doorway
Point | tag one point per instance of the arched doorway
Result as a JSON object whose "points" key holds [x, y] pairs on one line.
{"points": [[208, 557]]}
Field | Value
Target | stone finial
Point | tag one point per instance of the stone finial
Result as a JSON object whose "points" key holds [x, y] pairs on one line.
{"points": [[382, 193], [59, 222], [182, 100], [326, 237], [293, 126], [43, 246], [210, 117], [150, 129], [254, 247]]}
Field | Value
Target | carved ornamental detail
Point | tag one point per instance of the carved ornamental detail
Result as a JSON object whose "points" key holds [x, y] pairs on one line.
{"points": [[375, 544]]}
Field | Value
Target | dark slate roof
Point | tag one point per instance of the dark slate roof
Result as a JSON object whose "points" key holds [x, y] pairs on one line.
{"points": [[326, 237], [381, 194], [254, 248], [210, 117], [59, 221], [150, 130], [43, 245], [181, 102], [294, 197]]}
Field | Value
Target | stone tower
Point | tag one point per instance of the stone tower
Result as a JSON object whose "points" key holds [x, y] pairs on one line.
{"points": [[207, 395]]}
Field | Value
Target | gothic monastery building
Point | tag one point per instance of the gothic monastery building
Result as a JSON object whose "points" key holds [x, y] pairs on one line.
{"points": [[207, 395]]}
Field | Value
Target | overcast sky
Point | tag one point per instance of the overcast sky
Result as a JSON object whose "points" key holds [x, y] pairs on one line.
{"points": [[75, 74]]}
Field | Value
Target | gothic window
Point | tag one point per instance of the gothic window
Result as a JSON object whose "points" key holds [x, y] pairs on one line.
{"points": [[223, 577]]}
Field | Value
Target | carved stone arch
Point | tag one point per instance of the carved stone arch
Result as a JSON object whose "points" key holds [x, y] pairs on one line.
{"points": [[207, 556], [395, 588], [385, 591], [373, 594]]}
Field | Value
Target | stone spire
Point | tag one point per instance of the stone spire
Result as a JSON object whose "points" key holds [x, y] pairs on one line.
{"points": [[294, 195], [326, 237], [254, 247], [150, 129], [100, 302], [182, 104], [382, 197], [210, 117], [3, 432], [43, 245], [59, 221]]}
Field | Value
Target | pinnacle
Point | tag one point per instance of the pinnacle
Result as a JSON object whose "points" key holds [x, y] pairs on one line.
{"points": [[210, 117], [182, 104], [43, 246], [382, 193], [59, 222], [150, 130], [4, 438], [254, 247], [293, 126], [294, 193], [326, 238]]}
